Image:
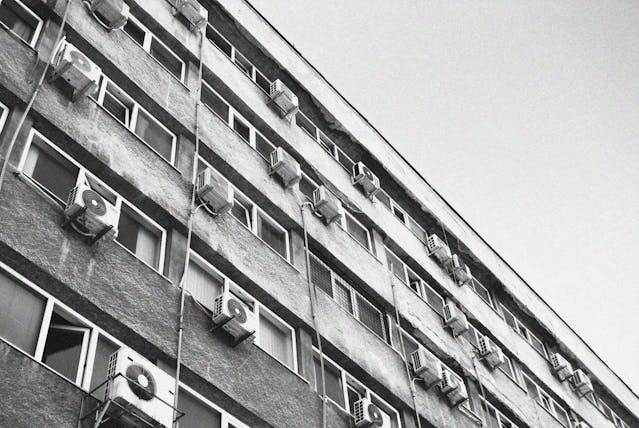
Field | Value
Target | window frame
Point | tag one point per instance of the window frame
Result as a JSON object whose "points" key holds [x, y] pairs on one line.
{"points": [[83, 172], [4, 114], [146, 46], [343, 224], [523, 331], [36, 31], [226, 418]]}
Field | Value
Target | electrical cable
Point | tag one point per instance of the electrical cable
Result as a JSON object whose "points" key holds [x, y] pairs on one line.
{"points": [[413, 393], [192, 210], [36, 91]]}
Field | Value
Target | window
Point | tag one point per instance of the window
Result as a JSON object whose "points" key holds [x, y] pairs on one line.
{"points": [[196, 413], [494, 418], [57, 174], [481, 291], [516, 325], [149, 129], [356, 230], [19, 19], [303, 122], [213, 101], [65, 346], [241, 128], [508, 368], [307, 186], [220, 42], [158, 50], [273, 335], [333, 384], [272, 234], [103, 351]]}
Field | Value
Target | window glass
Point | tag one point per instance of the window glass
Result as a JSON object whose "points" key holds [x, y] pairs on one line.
{"points": [[342, 294], [204, 285], [50, 169], [21, 312], [241, 210], [561, 415], [307, 187], [357, 231], [410, 346], [262, 81], [434, 300], [219, 41], [103, 351], [118, 104], [152, 133], [19, 20], [166, 58], [370, 316], [482, 291], [321, 275], [396, 265], [276, 339], [383, 198], [215, 103], [327, 144], [65, 347], [531, 387], [263, 146], [243, 64], [139, 237], [196, 413], [272, 235], [417, 229], [305, 124], [353, 397], [510, 319], [334, 389], [242, 129], [135, 31], [537, 344], [344, 160]]}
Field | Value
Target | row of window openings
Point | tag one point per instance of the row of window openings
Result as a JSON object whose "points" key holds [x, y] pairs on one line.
{"points": [[74, 348], [264, 147]]}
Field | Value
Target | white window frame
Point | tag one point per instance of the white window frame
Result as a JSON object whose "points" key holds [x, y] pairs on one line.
{"points": [[226, 418], [119, 200], [36, 31], [134, 112], [254, 212], [344, 226], [500, 416], [4, 113], [146, 46]]}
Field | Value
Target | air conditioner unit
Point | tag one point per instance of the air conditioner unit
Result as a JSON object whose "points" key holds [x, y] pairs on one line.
{"points": [[582, 383], [327, 205], [141, 388], [90, 214], [561, 366], [234, 316], [439, 249], [367, 414], [363, 176], [453, 388], [460, 271], [490, 353], [194, 12], [426, 366], [113, 14], [76, 69], [283, 98], [215, 191], [455, 319], [285, 166]]}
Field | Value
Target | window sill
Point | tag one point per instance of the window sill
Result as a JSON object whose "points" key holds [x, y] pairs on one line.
{"points": [[282, 364]]}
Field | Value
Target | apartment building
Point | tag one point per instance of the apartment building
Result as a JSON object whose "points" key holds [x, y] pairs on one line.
{"points": [[198, 230]]}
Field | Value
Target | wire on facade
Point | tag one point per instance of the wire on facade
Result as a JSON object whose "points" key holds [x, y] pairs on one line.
{"points": [[36, 91]]}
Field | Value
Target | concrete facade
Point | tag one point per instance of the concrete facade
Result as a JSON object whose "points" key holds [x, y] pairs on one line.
{"points": [[115, 294]]}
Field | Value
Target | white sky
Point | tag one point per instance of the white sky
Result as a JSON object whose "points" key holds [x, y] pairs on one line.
{"points": [[524, 116]]}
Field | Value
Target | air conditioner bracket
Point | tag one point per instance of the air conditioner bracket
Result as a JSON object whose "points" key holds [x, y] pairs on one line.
{"points": [[99, 235], [242, 338], [74, 217]]}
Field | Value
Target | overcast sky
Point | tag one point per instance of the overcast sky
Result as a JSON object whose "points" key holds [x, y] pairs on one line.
{"points": [[524, 116]]}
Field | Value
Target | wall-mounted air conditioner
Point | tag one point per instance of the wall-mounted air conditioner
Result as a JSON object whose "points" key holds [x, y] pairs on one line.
{"points": [[490, 353], [141, 388], [368, 181], [113, 14], [283, 99], [215, 191], [453, 388], [439, 249], [193, 11], [232, 315], [286, 167], [426, 366], [582, 383], [76, 69], [367, 414], [455, 319], [561, 366], [327, 205], [459, 270], [91, 214]]}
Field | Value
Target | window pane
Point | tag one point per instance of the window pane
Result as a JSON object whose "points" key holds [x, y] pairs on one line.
{"points": [[241, 213], [531, 387], [383, 198], [263, 146], [321, 275], [137, 236], [166, 58], [242, 129], [397, 266], [18, 20], [243, 64], [344, 160], [537, 344], [262, 82], [307, 187], [64, 346], [357, 231], [133, 30], [370, 316], [197, 413], [218, 41], [306, 125], [215, 103], [434, 300], [417, 230], [409, 346], [203, 285], [118, 104], [343, 294], [100, 363], [21, 312], [154, 135], [50, 169], [333, 382], [272, 235], [276, 340]]}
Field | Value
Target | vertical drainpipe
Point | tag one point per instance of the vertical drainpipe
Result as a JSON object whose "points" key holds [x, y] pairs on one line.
{"points": [[411, 383], [193, 208]]}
